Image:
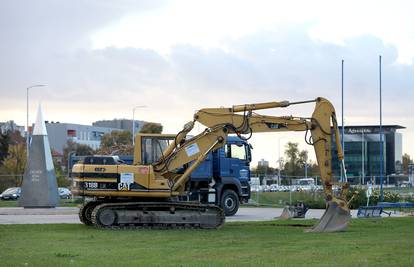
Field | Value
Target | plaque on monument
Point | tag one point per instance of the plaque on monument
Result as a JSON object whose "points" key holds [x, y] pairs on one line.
{"points": [[39, 186]]}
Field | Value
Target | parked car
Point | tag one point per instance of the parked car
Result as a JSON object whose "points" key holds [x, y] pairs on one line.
{"points": [[12, 193], [64, 193]]}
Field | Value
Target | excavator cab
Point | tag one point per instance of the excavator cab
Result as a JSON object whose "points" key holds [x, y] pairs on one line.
{"points": [[149, 147]]}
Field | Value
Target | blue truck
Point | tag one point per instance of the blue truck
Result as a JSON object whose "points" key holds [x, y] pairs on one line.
{"points": [[222, 179]]}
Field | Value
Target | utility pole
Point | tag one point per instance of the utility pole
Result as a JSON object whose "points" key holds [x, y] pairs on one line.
{"points": [[381, 135], [363, 157], [343, 130], [280, 164]]}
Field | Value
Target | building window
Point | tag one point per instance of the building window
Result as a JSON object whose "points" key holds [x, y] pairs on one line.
{"points": [[71, 133]]}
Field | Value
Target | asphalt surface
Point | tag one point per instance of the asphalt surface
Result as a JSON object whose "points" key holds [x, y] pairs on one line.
{"points": [[70, 215]]}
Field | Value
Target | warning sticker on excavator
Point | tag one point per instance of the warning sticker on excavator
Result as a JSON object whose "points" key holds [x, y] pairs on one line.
{"points": [[126, 179], [192, 149]]}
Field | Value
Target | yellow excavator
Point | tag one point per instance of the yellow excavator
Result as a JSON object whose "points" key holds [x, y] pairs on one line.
{"points": [[150, 192]]}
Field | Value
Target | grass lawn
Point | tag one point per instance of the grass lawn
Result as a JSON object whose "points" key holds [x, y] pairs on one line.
{"points": [[369, 242], [279, 199], [15, 203]]}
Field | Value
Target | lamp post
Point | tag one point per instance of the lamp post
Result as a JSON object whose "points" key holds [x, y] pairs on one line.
{"points": [[280, 163], [381, 136], [133, 122], [342, 113], [27, 116], [363, 158]]}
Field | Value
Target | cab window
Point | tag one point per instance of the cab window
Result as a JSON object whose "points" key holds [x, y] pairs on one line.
{"points": [[152, 148], [235, 151]]}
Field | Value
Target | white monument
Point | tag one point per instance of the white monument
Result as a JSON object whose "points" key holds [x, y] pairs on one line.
{"points": [[39, 186]]}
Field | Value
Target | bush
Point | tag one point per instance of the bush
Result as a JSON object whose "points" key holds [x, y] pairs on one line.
{"points": [[360, 198], [316, 204]]}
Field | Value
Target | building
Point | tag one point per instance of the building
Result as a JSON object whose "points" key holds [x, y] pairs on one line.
{"points": [[263, 163], [11, 126], [60, 133], [362, 151], [411, 174], [122, 124]]}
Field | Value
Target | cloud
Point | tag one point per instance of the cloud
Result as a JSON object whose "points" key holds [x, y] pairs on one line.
{"points": [[53, 45]]}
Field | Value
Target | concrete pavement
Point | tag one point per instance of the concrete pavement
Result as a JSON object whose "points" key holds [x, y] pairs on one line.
{"points": [[70, 215]]}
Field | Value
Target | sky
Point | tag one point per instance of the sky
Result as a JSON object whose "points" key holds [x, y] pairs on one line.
{"points": [[99, 59]]}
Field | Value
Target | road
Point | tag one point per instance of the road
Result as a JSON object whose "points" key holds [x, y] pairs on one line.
{"points": [[70, 215]]}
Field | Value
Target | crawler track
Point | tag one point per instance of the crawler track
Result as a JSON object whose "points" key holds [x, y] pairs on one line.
{"points": [[158, 215], [85, 212]]}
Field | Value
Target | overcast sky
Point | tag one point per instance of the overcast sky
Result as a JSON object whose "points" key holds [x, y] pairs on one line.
{"points": [[99, 59]]}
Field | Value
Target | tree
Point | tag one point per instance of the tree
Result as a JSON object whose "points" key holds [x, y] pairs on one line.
{"points": [[4, 145], [292, 159], [16, 138], [7, 139], [406, 161], [77, 149], [303, 158], [263, 171], [15, 163], [297, 161], [118, 142], [151, 127]]}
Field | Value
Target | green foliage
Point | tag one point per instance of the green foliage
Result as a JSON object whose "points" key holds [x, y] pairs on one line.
{"points": [[263, 171], [4, 146], [314, 200], [15, 162], [360, 198], [296, 161], [406, 161], [63, 181], [13, 166], [291, 167], [151, 127]]}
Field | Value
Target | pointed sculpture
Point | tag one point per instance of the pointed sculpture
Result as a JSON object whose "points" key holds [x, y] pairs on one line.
{"points": [[39, 186]]}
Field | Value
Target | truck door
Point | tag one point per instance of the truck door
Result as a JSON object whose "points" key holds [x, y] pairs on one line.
{"points": [[236, 161]]}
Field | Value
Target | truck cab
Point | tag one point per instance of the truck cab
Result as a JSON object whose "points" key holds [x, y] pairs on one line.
{"points": [[227, 172]]}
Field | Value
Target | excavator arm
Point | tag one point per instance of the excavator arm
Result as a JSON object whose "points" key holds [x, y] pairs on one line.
{"points": [[242, 119]]}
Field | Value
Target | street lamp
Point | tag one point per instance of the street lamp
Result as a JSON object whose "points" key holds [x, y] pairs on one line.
{"points": [[27, 115], [280, 163], [133, 122], [343, 175], [363, 157]]}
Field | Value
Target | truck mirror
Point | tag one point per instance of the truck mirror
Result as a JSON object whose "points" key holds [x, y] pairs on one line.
{"points": [[250, 145]]}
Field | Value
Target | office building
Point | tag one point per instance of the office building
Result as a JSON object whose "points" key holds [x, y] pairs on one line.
{"points": [[362, 151], [61, 133]]}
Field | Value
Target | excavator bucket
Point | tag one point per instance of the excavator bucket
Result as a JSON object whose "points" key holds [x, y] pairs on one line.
{"points": [[335, 219], [287, 213]]}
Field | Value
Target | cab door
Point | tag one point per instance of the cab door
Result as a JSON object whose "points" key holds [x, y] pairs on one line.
{"points": [[235, 162]]}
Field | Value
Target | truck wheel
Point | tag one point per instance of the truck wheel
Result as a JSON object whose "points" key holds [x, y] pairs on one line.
{"points": [[230, 202]]}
